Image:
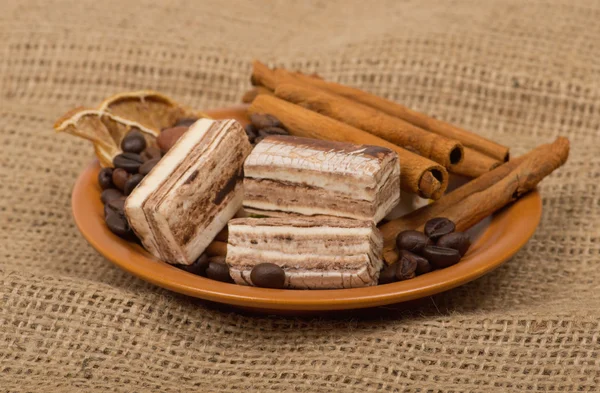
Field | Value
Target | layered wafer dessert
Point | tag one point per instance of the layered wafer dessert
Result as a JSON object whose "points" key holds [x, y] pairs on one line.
{"points": [[286, 175], [314, 253], [189, 196]]}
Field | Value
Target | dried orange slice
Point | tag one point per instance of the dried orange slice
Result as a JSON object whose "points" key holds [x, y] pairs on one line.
{"points": [[104, 130], [148, 108], [106, 126]]}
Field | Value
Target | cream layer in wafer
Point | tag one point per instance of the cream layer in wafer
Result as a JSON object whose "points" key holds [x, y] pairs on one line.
{"points": [[315, 253], [191, 193], [291, 175]]}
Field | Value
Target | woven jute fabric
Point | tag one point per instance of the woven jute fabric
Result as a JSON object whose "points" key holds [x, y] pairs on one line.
{"points": [[520, 72]]}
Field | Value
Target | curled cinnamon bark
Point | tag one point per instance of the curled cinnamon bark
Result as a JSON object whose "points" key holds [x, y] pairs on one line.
{"points": [[474, 164], [419, 119], [518, 182], [359, 109], [266, 77], [251, 94], [442, 150], [479, 198]]}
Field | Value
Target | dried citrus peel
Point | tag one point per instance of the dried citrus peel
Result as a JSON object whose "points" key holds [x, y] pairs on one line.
{"points": [[104, 130], [148, 108], [106, 126]]}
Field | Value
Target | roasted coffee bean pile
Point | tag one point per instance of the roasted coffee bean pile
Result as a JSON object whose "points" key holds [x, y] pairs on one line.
{"points": [[263, 125], [439, 246], [214, 268], [130, 167], [264, 275]]}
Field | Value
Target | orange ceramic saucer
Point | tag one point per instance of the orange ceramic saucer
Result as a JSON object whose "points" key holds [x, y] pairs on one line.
{"points": [[497, 240]]}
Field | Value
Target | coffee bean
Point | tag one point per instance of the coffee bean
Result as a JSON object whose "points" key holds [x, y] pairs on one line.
{"points": [[110, 194], [198, 267], [107, 211], [441, 257], [413, 241], [456, 240], [268, 275], [105, 178], [132, 183], [151, 153], [218, 270], [272, 131], [264, 120], [131, 162], [186, 122], [117, 205], [423, 265], [250, 132], [387, 275], [148, 165], [168, 137], [118, 225], [119, 178], [134, 142], [438, 227], [406, 266]]}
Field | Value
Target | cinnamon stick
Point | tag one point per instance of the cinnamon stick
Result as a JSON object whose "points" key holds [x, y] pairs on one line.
{"points": [[266, 77], [427, 144], [251, 94], [474, 164], [460, 196], [418, 174], [419, 119], [518, 182]]}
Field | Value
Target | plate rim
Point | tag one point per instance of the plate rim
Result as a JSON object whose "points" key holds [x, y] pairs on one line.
{"points": [[525, 215]]}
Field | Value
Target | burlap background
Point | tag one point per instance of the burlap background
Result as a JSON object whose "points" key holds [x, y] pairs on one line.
{"points": [[521, 72]]}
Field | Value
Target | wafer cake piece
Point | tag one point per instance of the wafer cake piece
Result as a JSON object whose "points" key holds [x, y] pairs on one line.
{"points": [[315, 253], [192, 192], [286, 175]]}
